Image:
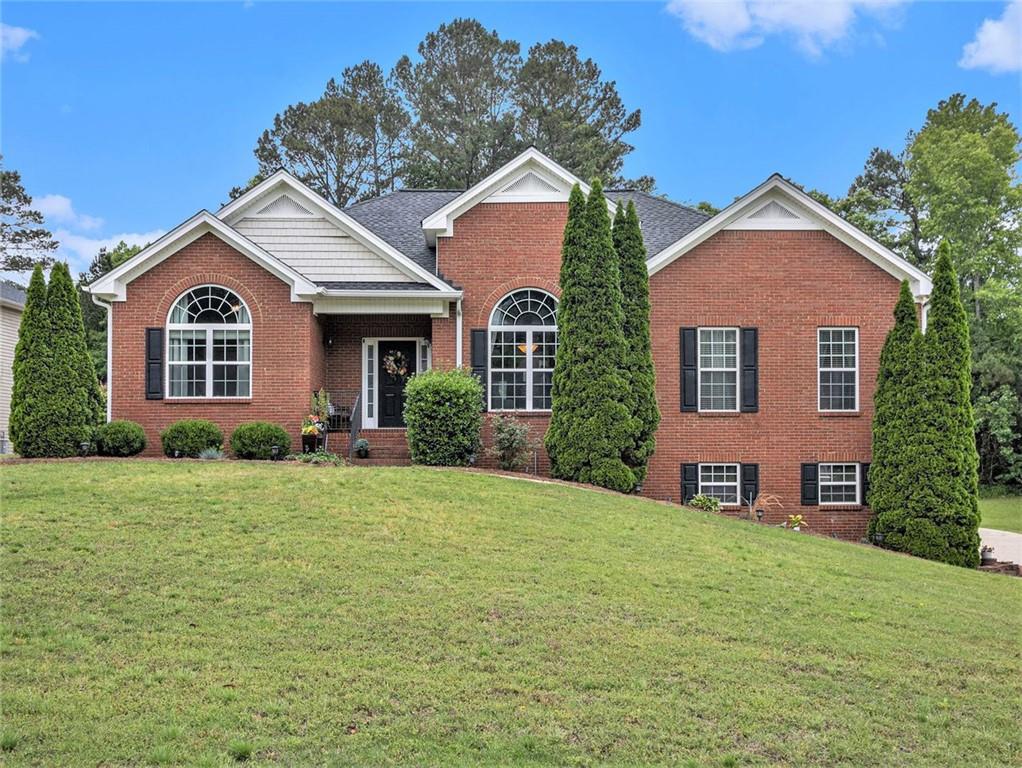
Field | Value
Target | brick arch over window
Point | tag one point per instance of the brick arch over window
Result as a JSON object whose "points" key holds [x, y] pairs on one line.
{"points": [[483, 312], [175, 291]]}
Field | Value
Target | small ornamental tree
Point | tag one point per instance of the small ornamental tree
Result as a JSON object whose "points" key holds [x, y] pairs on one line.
{"points": [[638, 355], [32, 373], [887, 488], [592, 427]]}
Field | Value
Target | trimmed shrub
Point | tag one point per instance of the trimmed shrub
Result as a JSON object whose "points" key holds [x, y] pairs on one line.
{"points": [[512, 443], [191, 437], [256, 440], [443, 417], [120, 438], [705, 503]]}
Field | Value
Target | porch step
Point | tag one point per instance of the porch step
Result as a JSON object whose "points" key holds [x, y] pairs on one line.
{"points": [[377, 461], [387, 447]]}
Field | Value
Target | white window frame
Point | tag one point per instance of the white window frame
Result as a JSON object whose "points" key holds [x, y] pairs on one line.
{"points": [[209, 329], [820, 370], [737, 484], [529, 369], [858, 483], [370, 393], [737, 369]]}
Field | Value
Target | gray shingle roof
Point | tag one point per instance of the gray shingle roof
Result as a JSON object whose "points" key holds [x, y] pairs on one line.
{"points": [[375, 285], [12, 292], [397, 219]]}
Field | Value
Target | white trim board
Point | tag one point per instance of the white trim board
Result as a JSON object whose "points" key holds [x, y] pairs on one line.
{"points": [[811, 215]]}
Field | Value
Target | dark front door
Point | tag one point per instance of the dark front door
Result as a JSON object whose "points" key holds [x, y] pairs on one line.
{"points": [[397, 363]]}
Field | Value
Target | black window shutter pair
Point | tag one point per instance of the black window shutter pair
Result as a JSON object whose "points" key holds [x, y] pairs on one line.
{"points": [[153, 363], [748, 486], [811, 484], [480, 357], [748, 376]]}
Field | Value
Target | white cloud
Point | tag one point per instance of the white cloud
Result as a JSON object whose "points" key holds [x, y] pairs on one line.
{"points": [[997, 46], [728, 25], [79, 250], [13, 39], [58, 209]]}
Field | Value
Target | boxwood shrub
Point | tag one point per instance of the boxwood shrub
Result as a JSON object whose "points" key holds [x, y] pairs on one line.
{"points": [[190, 437], [256, 440], [120, 438], [444, 418]]}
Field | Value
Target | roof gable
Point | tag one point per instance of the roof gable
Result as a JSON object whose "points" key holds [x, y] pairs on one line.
{"points": [[282, 196], [778, 204], [531, 177]]}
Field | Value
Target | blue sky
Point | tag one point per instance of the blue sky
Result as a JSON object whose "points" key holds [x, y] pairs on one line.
{"points": [[125, 119]]}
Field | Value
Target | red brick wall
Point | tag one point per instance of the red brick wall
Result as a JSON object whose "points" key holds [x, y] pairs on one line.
{"points": [[286, 351], [786, 284], [344, 357], [497, 248]]}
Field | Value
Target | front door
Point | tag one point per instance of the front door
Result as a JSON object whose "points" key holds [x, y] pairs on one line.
{"points": [[397, 363]]}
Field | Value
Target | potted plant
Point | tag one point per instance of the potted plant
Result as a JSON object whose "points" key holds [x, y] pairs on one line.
{"points": [[362, 448], [986, 555], [312, 428], [795, 522]]}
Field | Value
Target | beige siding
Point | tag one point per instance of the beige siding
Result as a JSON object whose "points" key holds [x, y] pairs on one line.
{"points": [[10, 319], [319, 250]]}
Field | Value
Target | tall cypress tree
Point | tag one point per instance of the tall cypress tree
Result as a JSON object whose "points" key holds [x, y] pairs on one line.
{"points": [[890, 406], [638, 356], [939, 516], [594, 428], [72, 400], [32, 362]]}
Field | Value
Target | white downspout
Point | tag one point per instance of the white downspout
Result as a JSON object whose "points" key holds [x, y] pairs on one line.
{"points": [[109, 355], [457, 338], [924, 314]]}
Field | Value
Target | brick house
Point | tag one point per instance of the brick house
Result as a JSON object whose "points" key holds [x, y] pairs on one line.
{"points": [[767, 324]]}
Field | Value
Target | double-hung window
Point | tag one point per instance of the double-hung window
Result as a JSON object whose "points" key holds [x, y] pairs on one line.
{"points": [[718, 369], [838, 368], [719, 481], [209, 344], [523, 348], [839, 483]]}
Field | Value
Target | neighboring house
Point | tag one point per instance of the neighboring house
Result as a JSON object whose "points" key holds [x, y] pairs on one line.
{"points": [[767, 323], [12, 304]]}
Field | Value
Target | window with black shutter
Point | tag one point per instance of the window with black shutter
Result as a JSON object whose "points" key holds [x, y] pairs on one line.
{"points": [[689, 482], [750, 370], [480, 348], [810, 485], [154, 363], [689, 352]]}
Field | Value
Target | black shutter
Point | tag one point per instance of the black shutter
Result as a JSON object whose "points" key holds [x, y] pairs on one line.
{"points": [[480, 356], [750, 370], [864, 483], [689, 370], [750, 483], [689, 482], [810, 485], [153, 363]]}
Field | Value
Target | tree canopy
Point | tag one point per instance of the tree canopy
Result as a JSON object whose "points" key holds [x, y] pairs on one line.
{"points": [[24, 241]]}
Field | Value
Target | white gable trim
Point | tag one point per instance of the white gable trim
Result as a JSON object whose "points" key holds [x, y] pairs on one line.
{"points": [[812, 214], [113, 285], [500, 187], [263, 193]]}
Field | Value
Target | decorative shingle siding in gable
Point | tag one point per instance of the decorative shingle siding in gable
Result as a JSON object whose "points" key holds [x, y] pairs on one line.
{"points": [[785, 284], [319, 250], [287, 347]]}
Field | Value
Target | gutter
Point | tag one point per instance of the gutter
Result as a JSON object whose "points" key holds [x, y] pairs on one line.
{"points": [[109, 353]]}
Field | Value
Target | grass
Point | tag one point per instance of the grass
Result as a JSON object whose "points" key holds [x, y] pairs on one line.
{"points": [[1002, 512], [208, 613]]}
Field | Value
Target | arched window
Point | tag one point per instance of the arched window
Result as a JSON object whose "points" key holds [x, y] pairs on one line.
{"points": [[209, 344], [523, 346]]}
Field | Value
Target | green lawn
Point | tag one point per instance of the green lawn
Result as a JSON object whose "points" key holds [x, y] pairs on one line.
{"points": [[1002, 512], [157, 612]]}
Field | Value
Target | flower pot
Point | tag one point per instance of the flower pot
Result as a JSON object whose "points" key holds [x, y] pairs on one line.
{"points": [[362, 453], [310, 443], [987, 557]]}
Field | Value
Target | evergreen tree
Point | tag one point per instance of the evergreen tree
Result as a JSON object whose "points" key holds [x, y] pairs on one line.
{"points": [[890, 405], [32, 358], [939, 517], [638, 360], [595, 428]]}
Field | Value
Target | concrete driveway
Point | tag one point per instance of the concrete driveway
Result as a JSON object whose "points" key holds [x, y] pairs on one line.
{"points": [[1007, 545]]}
